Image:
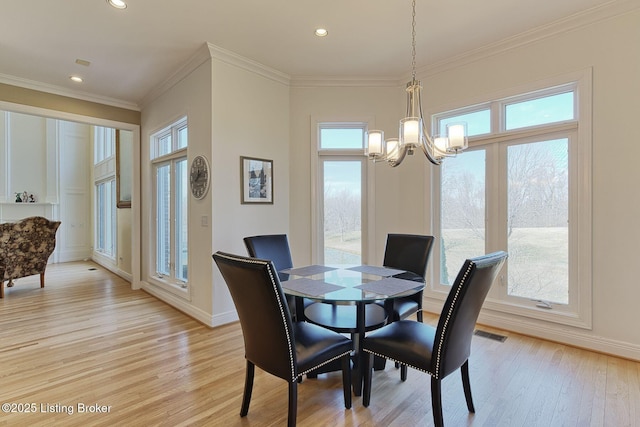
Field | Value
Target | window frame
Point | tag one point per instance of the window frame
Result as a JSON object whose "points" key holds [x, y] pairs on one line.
{"points": [[104, 142], [318, 156], [171, 282], [111, 181], [578, 312]]}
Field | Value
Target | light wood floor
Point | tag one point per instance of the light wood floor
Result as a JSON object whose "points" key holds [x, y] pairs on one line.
{"points": [[87, 339]]}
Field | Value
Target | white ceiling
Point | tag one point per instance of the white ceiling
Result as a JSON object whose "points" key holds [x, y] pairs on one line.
{"points": [[133, 50]]}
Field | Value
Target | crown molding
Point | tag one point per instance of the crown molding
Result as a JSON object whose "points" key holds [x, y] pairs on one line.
{"points": [[239, 61], [319, 81], [579, 20], [58, 90], [571, 23], [197, 59], [205, 53]]}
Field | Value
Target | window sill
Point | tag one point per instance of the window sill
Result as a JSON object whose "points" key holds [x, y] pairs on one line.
{"points": [[560, 315], [180, 289]]}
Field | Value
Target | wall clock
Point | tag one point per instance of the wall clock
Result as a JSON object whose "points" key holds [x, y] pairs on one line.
{"points": [[199, 177]]}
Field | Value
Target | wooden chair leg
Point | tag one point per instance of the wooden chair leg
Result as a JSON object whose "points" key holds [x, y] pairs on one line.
{"points": [[42, 279], [1, 288], [293, 403], [367, 369], [248, 388], [466, 384], [346, 380], [436, 403]]}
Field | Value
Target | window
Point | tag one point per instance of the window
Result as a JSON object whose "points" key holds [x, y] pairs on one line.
{"points": [[462, 212], [342, 190], [104, 144], [169, 165], [106, 218], [517, 189]]}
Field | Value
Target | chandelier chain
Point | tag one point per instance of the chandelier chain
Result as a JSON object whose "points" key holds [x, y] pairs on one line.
{"points": [[413, 40]]}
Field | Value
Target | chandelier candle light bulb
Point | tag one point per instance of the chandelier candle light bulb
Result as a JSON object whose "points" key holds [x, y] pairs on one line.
{"points": [[410, 132], [457, 136], [375, 147]]}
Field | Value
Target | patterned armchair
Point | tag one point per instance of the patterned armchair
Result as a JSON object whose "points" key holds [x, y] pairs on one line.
{"points": [[25, 248]]}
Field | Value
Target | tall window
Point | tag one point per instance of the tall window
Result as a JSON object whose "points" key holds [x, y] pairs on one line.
{"points": [[342, 187], [105, 193], [106, 218], [104, 144], [169, 165], [517, 189]]}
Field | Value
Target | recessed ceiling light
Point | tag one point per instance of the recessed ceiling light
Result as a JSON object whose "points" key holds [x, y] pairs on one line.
{"points": [[76, 79], [118, 4], [321, 32]]}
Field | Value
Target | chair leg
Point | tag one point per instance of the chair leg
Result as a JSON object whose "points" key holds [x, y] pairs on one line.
{"points": [[403, 368], [379, 363], [293, 403], [464, 369], [367, 369], [436, 403], [1, 288], [42, 280], [248, 387], [346, 380]]}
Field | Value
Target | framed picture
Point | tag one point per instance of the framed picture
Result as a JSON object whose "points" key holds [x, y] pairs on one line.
{"points": [[257, 180], [124, 168]]}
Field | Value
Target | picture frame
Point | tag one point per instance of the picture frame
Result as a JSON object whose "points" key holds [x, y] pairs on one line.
{"points": [[256, 179], [124, 169]]}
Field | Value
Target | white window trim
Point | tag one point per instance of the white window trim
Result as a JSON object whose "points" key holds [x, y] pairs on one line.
{"points": [[170, 285], [110, 258], [368, 198], [578, 314], [103, 172]]}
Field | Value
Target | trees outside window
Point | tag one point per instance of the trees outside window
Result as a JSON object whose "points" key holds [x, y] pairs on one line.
{"points": [[517, 189]]}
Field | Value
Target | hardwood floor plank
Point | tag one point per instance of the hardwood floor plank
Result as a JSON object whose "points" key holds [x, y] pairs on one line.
{"points": [[88, 339]]}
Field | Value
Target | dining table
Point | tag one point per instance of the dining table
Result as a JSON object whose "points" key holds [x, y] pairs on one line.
{"points": [[352, 299]]}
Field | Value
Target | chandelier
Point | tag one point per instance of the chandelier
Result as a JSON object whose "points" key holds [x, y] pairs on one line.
{"points": [[413, 134]]}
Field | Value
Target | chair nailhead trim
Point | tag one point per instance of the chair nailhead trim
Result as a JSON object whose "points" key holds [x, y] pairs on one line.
{"points": [[402, 363], [446, 321], [444, 328], [320, 364], [282, 313]]}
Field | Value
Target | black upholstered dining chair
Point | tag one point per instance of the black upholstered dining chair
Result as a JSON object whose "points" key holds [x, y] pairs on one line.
{"points": [[274, 247], [438, 351], [272, 341], [408, 252]]}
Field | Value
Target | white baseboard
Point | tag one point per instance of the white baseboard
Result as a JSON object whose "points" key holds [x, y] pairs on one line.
{"points": [[184, 306], [553, 332], [112, 268]]}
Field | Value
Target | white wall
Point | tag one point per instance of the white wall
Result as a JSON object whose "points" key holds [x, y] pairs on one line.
{"points": [[75, 233], [235, 108], [49, 159], [616, 101], [250, 117], [398, 192], [609, 46], [190, 96]]}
